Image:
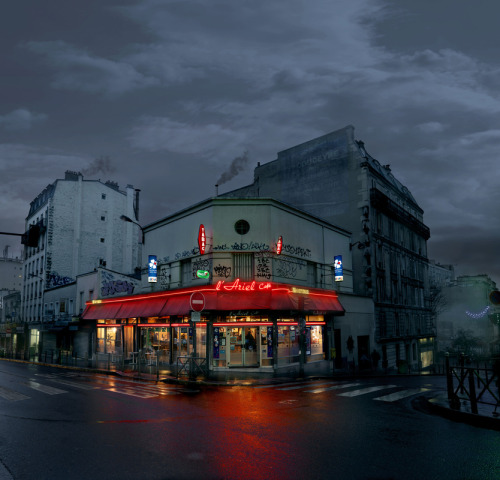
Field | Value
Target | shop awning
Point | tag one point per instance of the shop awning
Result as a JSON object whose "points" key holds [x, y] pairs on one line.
{"points": [[101, 311], [178, 305], [277, 297], [151, 307], [322, 303]]}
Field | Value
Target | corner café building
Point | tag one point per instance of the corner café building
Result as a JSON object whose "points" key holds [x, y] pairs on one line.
{"points": [[253, 271]]}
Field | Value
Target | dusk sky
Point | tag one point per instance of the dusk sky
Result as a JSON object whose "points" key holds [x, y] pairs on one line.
{"points": [[165, 95]]}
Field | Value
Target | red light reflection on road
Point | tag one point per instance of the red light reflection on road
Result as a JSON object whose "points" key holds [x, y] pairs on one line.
{"points": [[245, 443]]}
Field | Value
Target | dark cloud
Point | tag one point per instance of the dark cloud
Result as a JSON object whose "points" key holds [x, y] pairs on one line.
{"points": [[172, 90]]}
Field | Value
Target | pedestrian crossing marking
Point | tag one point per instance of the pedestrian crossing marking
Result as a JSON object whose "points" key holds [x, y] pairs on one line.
{"points": [[82, 386], [296, 387], [363, 391], [335, 387], [12, 395], [392, 397], [44, 388], [274, 385], [131, 392]]}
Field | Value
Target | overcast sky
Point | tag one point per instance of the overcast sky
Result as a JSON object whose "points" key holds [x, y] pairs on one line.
{"points": [[165, 95]]}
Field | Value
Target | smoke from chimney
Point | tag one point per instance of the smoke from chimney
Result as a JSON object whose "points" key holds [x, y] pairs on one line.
{"points": [[99, 165], [237, 165]]}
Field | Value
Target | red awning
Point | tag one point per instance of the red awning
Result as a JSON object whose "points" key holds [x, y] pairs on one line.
{"points": [[178, 305], [151, 307], [281, 298], [322, 303], [101, 311]]}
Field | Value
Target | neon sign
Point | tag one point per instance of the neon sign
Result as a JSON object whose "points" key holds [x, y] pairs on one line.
{"points": [[202, 239], [279, 245], [239, 286], [202, 273]]}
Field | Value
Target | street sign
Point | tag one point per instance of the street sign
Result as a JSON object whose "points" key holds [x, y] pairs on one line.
{"points": [[197, 301], [195, 316]]}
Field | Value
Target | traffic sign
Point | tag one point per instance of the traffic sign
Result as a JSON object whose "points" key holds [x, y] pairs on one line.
{"points": [[197, 301]]}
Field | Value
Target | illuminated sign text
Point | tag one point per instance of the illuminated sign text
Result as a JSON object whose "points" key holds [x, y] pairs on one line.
{"points": [[239, 286], [202, 239]]}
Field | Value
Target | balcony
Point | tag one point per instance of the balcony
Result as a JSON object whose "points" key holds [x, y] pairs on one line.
{"points": [[386, 206]]}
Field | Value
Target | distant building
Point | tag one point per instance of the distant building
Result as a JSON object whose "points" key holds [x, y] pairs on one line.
{"points": [[468, 309], [11, 273], [81, 229], [334, 178]]}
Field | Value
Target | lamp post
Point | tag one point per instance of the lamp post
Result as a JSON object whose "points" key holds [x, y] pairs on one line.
{"points": [[128, 219]]}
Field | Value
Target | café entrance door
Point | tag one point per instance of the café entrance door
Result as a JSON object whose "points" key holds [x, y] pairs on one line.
{"points": [[243, 347]]}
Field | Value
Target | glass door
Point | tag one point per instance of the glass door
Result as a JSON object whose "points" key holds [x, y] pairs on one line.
{"points": [[243, 351]]}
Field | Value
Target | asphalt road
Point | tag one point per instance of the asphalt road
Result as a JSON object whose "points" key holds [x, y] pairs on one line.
{"points": [[61, 424]]}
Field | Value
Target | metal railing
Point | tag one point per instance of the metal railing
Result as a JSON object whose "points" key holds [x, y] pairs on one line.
{"points": [[477, 386], [192, 366]]}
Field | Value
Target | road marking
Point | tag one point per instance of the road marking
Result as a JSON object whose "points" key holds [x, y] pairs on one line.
{"points": [[392, 397], [364, 391], [74, 384], [335, 387], [44, 388], [131, 392], [274, 385], [296, 387], [11, 395]]}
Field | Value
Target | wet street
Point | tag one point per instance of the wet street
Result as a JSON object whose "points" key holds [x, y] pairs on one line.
{"points": [[60, 423]]}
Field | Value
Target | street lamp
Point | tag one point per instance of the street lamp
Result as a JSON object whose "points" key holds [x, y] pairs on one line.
{"points": [[128, 219]]}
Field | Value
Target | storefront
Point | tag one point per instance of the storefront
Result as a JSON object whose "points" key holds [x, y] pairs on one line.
{"points": [[232, 324]]}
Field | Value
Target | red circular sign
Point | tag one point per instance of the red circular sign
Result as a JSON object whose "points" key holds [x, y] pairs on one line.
{"points": [[197, 301]]}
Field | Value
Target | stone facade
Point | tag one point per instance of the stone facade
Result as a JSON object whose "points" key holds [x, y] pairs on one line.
{"points": [[335, 178], [81, 229]]}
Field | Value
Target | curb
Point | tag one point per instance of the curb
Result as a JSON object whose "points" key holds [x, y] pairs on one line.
{"points": [[439, 406]]}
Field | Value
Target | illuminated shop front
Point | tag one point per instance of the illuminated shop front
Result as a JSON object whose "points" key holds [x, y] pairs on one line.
{"points": [[241, 324]]}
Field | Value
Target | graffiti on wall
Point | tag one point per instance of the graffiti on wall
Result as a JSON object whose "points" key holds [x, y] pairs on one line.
{"points": [[117, 286], [111, 285], [222, 271], [289, 268], [201, 264], [263, 267], [164, 277], [56, 280]]}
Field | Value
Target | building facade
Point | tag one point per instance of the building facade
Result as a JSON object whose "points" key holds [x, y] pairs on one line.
{"points": [[262, 274], [334, 178], [80, 229], [469, 311]]}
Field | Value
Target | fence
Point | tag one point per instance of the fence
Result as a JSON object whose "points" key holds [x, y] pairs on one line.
{"points": [[192, 366], [472, 385]]}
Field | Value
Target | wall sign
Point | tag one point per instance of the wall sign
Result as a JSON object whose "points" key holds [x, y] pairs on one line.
{"points": [[202, 239], [202, 273], [152, 269], [279, 245], [339, 270], [240, 286]]}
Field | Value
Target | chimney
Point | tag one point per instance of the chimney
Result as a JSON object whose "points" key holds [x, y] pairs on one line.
{"points": [[216, 190]]}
